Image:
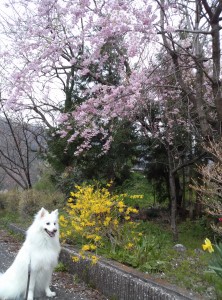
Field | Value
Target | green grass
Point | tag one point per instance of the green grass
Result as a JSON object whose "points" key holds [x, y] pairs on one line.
{"points": [[61, 267], [137, 185], [7, 217], [193, 233], [46, 182]]}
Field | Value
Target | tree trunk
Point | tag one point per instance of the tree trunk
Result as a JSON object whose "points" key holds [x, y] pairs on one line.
{"points": [[173, 198]]}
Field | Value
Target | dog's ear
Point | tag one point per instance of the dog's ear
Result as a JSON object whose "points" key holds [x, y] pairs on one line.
{"points": [[56, 212], [42, 213]]}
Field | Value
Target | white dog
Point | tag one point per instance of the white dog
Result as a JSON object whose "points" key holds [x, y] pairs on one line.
{"points": [[40, 251]]}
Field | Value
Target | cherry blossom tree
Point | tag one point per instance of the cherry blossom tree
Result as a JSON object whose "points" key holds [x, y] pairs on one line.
{"points": [[51, 40], [54, 43]]}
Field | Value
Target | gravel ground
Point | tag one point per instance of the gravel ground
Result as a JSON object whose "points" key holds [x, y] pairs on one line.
{"points": [[63, 283]]}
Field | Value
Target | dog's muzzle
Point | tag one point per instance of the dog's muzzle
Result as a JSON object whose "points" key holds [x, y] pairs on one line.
{"points": [[51, 233]]}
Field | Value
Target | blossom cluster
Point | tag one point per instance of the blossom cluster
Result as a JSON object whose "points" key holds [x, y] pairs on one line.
{"points": [[98, 218]]}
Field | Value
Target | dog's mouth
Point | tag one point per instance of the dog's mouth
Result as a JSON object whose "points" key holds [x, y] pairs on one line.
{"points": [[50, 233]]}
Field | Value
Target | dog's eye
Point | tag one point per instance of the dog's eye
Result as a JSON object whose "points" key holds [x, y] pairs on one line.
{"points": [[47, 223]]}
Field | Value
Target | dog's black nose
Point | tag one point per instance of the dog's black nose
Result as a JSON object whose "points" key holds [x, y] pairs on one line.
{"points": [[55, 230]]}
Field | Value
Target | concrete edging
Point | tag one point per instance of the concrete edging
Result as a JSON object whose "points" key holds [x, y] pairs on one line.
{"points": [[117, 281]]}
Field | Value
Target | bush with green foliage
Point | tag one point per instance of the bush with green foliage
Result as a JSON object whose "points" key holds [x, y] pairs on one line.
{"points": [[99, 218]]}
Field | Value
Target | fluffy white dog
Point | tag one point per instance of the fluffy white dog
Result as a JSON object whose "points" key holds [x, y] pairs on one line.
{"points": [[40, 251]]}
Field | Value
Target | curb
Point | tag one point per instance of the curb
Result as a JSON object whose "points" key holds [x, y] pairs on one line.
{"points": [[117, 281]]}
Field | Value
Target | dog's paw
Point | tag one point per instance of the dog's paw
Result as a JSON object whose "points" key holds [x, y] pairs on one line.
{"points": [[50, 294], [30, 295]]}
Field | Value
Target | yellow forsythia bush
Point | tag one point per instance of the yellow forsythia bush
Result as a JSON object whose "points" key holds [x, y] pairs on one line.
{"points": [[98, 218]]}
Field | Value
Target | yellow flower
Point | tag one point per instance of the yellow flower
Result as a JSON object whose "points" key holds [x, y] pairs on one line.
{"points": [[136, 196], [107, 221], [62, 235], [94, 259], [75, 258], [121, 204], [85, 247], [97, 238], [62, 218], [115, 222], [90, 236], [93, 247], [208, 246], [129, 246], [109, 184], [92, 212]]}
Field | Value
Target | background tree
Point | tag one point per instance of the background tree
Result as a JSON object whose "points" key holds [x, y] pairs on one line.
{"points": [[21, 145], [188, 48]]}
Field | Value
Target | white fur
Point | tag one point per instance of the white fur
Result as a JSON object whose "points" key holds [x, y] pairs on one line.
{"points": [[42, 250]]}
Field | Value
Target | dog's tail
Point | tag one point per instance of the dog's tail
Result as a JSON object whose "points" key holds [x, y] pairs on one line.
{"points": [[11, 287]]}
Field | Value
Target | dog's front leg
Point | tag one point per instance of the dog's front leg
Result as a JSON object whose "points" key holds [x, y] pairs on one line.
{"points": [[48, 292], [32, 285]]}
